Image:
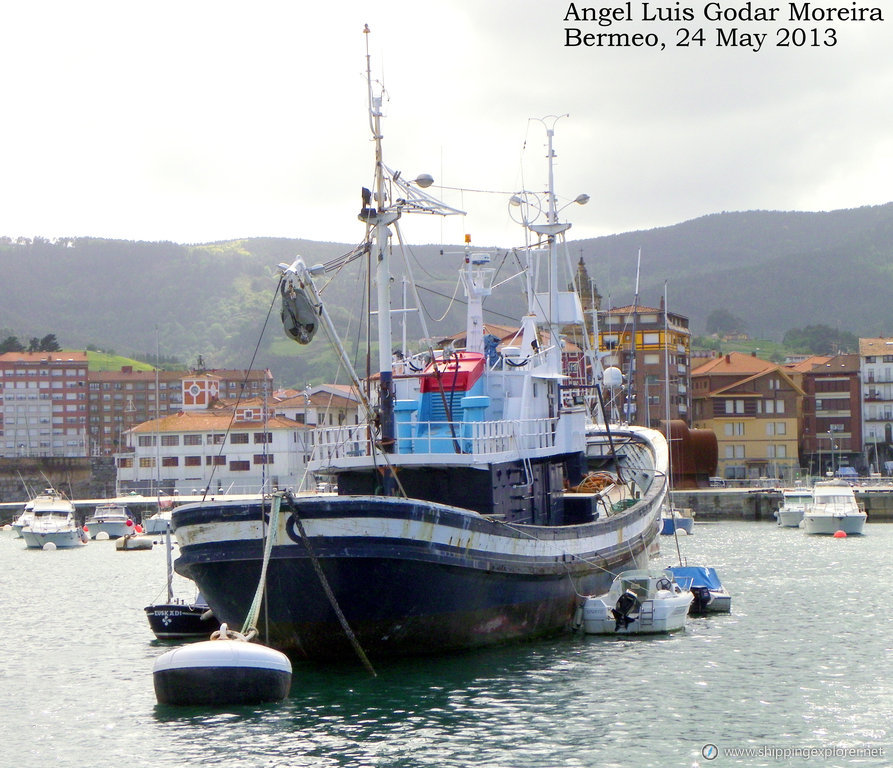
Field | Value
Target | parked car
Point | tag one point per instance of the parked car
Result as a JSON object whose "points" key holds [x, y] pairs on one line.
{"points": [[717, 482]]}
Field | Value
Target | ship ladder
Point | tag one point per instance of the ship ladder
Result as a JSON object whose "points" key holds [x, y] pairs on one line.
{"points": [[646, 613]]}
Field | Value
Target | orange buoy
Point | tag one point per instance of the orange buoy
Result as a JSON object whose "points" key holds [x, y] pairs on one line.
{"points": [[839, 534]]}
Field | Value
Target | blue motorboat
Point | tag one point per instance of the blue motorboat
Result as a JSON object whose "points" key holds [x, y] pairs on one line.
{"points": [[710, 596], [674, 520]]}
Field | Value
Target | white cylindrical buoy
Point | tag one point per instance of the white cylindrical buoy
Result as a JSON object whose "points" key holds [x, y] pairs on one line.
{"points": [[221, 672], [101, 536], [48, 547]]}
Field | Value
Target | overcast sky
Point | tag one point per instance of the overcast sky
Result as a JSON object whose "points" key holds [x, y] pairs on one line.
{"points": [[195, 121]]}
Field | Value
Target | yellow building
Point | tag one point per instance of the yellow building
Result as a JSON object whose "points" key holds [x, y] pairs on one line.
{"points": [[652, 348], [752, 407]]}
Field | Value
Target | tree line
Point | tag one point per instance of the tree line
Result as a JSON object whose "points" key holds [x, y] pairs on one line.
{"points": [[48, 343]]}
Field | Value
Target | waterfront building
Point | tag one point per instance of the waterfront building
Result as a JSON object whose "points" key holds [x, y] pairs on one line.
{"points": [[831, 424], [119, 400], [752, 406], [325, 405], [43, 404], [649, 344], [876, 369], [224, 448]]}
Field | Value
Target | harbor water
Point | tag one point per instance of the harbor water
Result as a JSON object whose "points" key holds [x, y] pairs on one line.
{"points": [[798, 674]]}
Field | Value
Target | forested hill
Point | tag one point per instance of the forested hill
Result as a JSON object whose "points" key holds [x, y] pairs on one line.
{"points": [[775, 270]]}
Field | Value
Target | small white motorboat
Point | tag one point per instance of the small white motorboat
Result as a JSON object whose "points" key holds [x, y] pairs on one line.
{"points": [[794, 502], [24, 519], [158, 523], [112, 519], [642, 601], [834, 508], [53, 522]]}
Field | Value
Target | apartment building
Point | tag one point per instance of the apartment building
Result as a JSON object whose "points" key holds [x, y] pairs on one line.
{"points": [[119, 400], [43, 404], [876, 370], [831, 423], [652, 347], [752, 406]]}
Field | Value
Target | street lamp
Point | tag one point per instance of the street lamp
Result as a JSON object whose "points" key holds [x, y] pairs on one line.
{"points": [[833, 447]]}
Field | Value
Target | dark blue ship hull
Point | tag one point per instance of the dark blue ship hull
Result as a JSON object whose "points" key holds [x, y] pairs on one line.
{"points": [[472, 582]]}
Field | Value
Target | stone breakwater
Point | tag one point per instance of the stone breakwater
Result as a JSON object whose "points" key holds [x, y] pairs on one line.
{"points": [[715, 504]]}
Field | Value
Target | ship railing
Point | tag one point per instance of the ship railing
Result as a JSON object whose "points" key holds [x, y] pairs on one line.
{"points": [[475, 438]]}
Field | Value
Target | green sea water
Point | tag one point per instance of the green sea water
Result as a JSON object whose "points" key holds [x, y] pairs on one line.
{"points": [[798, 674]]}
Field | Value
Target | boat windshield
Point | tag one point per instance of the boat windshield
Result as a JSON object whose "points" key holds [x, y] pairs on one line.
{"points": [[638, 586], [837, 499]]}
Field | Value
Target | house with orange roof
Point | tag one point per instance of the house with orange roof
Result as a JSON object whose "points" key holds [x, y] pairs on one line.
{"points": [[328, 405], [752, 405], [241, 448]]}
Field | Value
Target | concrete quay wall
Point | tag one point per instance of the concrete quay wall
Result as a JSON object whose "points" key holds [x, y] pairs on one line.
{"points": [[715, 504]]}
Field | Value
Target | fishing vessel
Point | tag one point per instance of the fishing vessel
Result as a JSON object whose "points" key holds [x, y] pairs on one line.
{"points": [[479, 499]]}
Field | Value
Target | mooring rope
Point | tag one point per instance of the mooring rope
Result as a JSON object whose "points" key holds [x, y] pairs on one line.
{"points": [[358, 649], [250, 627]]}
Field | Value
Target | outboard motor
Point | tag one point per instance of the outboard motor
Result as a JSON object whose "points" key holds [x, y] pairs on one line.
{"points": [[702, 598], [626, 610]]}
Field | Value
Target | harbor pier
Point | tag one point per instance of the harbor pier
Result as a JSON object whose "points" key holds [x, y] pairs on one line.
{"points": [[720, 504]]}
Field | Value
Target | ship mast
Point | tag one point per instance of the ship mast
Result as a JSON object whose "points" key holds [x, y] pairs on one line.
{"points": [[378, 219], [380, 214], [560, 307]]}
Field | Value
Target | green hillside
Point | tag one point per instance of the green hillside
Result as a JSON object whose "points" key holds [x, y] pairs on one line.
{"points": [[774, 270]]}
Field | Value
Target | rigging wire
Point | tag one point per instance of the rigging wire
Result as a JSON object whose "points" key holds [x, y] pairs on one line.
{"points": [[242, 390]]}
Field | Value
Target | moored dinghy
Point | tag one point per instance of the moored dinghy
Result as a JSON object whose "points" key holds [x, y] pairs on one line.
{"points": [[178, 619], [642, 601], [710, 596], [136, 540]]}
